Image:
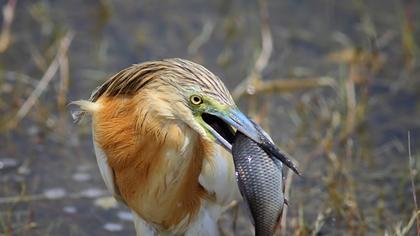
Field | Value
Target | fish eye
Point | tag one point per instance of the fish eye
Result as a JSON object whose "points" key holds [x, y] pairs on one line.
{"points": [[196, 100]]}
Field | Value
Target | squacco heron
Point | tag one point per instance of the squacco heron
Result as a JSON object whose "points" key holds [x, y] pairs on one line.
{"points": [[162, 133]]}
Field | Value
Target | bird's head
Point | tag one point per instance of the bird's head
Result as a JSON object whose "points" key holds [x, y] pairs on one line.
{"points": [[186, 92]]}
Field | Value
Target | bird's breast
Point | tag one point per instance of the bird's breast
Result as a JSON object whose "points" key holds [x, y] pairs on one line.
{"points": [[156, 172]]}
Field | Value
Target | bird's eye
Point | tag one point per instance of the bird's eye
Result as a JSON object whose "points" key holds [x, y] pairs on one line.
{"points": [[196, 100]]}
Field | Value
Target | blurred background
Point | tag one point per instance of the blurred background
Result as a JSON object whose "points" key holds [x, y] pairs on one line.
{"points": [[335, 82]]}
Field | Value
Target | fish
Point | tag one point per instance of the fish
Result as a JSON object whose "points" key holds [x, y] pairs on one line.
{"points": [[260, 180]]}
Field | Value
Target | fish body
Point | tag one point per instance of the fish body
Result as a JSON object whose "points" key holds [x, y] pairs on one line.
{"points": [[260, 180]]}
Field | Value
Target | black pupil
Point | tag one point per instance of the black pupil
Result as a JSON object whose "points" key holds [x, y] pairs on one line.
{"points": [[196, 99]]}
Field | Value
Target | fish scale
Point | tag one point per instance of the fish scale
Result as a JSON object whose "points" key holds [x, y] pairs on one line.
{"points": [[260, 181]]}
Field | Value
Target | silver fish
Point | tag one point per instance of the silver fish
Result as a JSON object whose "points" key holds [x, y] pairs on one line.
{"points": [[260, 180]]}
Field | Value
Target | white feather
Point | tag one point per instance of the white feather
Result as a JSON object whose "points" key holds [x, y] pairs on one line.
{"points": [[205, 225], [218, 177], [142, 227], [105, 170]]}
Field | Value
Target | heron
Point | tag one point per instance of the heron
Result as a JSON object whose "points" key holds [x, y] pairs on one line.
{"points": [[162, 134]]}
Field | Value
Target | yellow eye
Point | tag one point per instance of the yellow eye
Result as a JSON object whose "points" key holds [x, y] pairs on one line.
{"points": [[196, 100]]}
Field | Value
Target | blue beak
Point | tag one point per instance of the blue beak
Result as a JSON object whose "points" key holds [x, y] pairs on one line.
{"points": [[236, 119]]}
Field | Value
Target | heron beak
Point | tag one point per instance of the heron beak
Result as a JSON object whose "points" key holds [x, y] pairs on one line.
{"points": [[236, 119]]}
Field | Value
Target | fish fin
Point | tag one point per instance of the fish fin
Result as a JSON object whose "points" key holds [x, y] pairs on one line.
{"points": [[278, 163], [248, 211], [277, 228]]}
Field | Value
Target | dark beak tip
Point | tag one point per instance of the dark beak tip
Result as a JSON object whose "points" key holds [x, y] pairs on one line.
{"points": [[271, 148], [263, 140], [293, 167]]}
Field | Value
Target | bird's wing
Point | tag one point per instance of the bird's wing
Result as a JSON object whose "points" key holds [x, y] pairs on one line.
{"points": [[106, 171]]}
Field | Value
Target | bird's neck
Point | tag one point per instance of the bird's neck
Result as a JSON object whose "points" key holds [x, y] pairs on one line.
{"points": [[156, 162]]}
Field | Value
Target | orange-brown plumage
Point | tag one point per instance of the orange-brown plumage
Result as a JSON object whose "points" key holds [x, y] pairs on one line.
{"points": [[139, 164]]}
